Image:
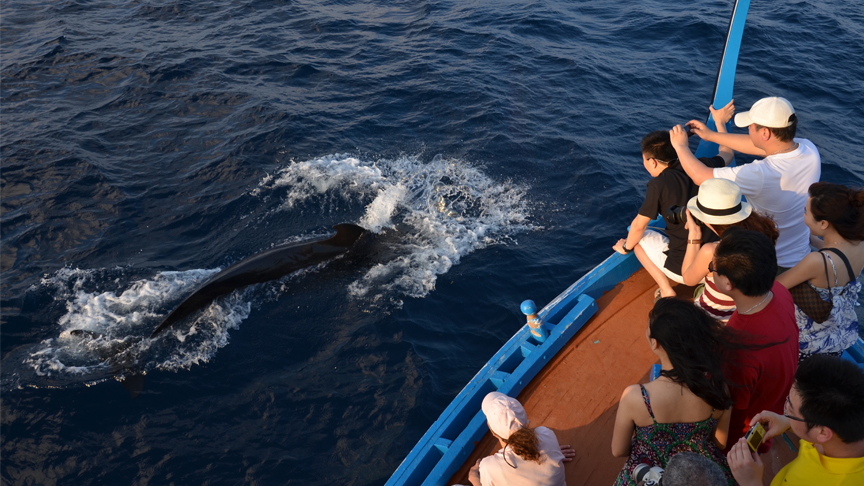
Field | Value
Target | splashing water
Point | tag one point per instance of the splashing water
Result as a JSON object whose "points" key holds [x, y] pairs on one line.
{"points": [[433, 213], [445, 209]]}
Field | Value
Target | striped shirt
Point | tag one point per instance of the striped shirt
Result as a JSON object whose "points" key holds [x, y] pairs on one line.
{"points": [[714, 302]]}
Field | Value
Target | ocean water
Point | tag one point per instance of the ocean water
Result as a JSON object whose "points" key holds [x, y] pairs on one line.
{"points": [[493, 146]]}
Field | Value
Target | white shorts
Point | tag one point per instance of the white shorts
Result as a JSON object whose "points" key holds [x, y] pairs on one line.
{"points": [[655, 243]]}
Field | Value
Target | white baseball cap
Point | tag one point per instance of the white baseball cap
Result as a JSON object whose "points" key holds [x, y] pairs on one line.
{"points": [[504, 414], [771, 112]]}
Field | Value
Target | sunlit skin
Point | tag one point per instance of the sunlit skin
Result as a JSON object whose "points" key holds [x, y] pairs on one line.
{"points": [[748, 467], [816, 227], [696, 259], [653, 166], [681, 406], [694, 167], [812, 267]]}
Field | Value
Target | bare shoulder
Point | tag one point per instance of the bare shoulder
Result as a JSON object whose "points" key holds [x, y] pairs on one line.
{"points": [[812, 258], [812, 265], [631, 398], [708, 248], [632, 392]]}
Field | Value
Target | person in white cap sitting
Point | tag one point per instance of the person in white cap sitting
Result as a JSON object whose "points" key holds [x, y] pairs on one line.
{"points": [[527, 456], [775, 185]]}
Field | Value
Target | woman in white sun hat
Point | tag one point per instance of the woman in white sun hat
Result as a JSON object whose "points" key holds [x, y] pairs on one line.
{"points": [[719, 205], [527, 456]]}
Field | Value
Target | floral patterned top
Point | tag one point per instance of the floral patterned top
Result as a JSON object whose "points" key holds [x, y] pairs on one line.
{"points": [[655, 444], [840, 330]]}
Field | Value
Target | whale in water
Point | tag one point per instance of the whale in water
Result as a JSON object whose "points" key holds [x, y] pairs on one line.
{"points": [[264, 267]]}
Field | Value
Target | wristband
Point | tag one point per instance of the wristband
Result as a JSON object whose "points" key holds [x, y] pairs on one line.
{"points": [[694, 242]]}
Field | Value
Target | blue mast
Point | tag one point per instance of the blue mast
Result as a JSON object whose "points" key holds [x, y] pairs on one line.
{"points": [[726, 71]]}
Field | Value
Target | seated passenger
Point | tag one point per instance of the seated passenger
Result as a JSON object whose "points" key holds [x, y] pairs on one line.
{"points": [[527, 456], [662, 254], [775, 185], [719, 207], [744, 267], [687, 407], [824, 410], [836, 215]]}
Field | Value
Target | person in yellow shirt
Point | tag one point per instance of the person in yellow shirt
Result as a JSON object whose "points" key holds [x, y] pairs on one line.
{"points": [[825, 408]]}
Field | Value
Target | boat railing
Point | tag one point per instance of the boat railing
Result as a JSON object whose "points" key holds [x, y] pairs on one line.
{"points": [[450, 440]]}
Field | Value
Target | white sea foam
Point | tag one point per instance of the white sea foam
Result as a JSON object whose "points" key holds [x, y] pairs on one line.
{"points": [[429, 215], [112, 331], [116, 328], [380, 211], [319, 176], [444, 209]]}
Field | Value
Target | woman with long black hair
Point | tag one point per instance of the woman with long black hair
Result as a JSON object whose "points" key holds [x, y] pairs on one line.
{"points": [[687, 408]]}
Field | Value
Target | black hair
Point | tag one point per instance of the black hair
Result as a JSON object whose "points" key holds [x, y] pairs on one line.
{"points": [[696, 345], [658, 145], [701, 349], [841, 206], [748, 259], [832, 395], [784, 134]]}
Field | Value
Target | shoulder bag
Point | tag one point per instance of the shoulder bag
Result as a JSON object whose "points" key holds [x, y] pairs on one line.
{"points": [[808, 300]]}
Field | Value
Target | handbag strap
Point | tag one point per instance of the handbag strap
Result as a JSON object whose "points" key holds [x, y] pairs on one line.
{"points": [[827, 278], [839, 253]]}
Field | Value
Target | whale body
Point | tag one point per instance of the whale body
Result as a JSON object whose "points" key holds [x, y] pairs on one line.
{"points": [[263, 267]]}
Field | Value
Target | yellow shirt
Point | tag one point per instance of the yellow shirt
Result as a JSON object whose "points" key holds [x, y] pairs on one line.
{"points": [[811, 468]]}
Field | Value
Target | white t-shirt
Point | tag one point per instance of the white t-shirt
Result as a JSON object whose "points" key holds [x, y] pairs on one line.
{"points": [[495, 471], [777, 186]]}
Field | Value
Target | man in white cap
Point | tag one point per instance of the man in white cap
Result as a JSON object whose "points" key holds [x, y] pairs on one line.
{"points": [[528, 456], [775, 185]]}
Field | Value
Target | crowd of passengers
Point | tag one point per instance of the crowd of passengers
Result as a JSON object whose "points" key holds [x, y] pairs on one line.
{"points": [[762, 344]]}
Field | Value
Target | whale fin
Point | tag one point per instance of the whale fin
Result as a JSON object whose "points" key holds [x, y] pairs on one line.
{"points": [[346, 235]]}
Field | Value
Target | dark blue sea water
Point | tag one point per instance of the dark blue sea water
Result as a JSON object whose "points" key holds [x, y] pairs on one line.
{"points": [[493, 145]]}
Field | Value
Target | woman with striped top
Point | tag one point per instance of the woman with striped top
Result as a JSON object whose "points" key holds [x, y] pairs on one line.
{"points": [[718, 206]]}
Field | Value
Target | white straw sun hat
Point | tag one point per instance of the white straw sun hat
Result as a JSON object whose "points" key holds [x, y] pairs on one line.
{"points": [[504, 414], [719, 202]]}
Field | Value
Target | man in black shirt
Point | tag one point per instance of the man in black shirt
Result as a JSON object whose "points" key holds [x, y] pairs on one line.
{"points": [[663, 254]]}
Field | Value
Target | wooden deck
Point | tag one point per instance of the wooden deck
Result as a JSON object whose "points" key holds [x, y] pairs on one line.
{"points": [[577, 393]]}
